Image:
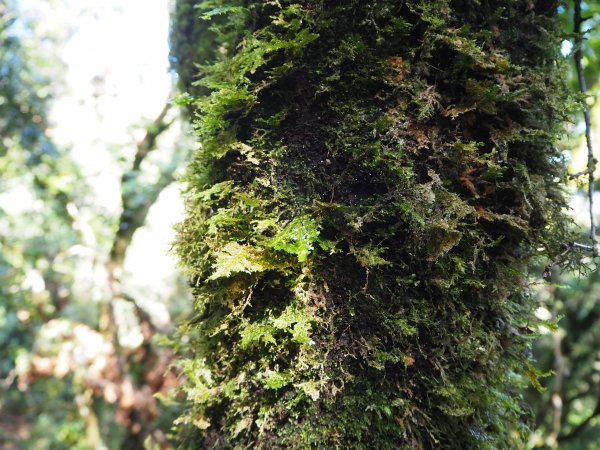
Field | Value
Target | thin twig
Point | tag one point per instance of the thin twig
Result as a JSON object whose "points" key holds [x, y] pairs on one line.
{"points": [[579, 174], [565, 249], [578, 55], [582, 246]]}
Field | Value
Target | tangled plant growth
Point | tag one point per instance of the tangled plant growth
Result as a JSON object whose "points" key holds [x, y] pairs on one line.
{"points": [[373, 178]]}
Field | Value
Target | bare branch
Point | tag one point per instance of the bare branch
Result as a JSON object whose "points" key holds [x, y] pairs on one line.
{"points": [[579, 174], [134, 212], [137, 198], [565, 249], [148, 143]]}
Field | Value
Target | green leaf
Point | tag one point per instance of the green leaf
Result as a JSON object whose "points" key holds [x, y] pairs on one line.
{"points": [[218, 190], [534, 376], [183, 99]]}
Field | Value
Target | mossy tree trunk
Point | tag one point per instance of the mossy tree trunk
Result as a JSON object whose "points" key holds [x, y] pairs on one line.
{"points": [[373, 179]]}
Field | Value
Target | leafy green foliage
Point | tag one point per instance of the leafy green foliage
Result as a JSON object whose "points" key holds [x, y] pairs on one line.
{"points": [[67, 382], [373, 178], [591, 42], [30, 160], [567, 410]]}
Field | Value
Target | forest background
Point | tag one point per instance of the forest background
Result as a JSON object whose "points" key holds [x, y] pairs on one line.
{"points": [[92, 144]]}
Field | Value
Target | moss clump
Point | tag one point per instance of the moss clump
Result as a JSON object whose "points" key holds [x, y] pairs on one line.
{"points": [[373, 178]]}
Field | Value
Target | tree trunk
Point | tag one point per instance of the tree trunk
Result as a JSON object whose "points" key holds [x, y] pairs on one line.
{"points": [[374, 178]]}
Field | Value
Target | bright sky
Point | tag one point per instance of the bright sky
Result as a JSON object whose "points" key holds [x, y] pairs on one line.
{"points": [[117, 60], [117, 80]]}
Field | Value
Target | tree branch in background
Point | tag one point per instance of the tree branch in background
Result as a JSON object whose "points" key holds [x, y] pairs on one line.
{"points": [[579, 174], [591, 161], [565, 249], [137, 405], [578, 55], [155, 129], [137, 202]]}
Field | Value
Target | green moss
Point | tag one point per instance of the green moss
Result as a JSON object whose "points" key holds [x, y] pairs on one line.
{"points": [[373, 178]]}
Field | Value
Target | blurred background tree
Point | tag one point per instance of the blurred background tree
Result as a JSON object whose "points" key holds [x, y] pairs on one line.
{"points": [[86, 293], [567, 413]]}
